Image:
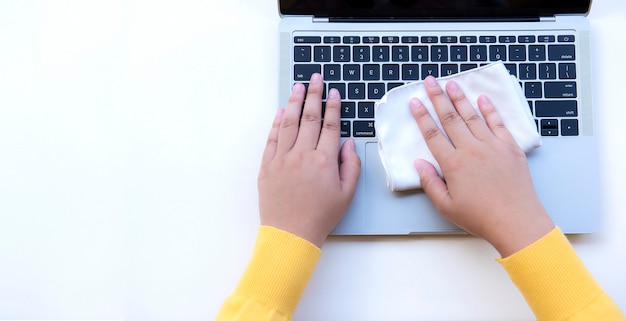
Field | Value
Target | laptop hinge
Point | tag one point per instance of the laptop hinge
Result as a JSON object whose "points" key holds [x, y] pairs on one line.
{"points": [[318, 19], [547, 19], [441, 19]]}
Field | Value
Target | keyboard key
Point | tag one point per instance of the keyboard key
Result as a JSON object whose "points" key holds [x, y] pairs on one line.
{"points": [[303, 72], [430, 70], [393, 85], [341, 53], [468, 39], [567, 71], [560, 89], [364, 129], [366, 109], [302, 53], [549, 127], [458, 53], [532, 90], [400, 53], [527, 71], [449, 69], [371, 39], [341, 87], [356, 91], [526, 39], [332, 40], [410, 72], [497, 52], [546, 38], [517, 53], [332, 72], [429, 39], [351, 39], [506, 39], [305, 39], [536, 53], [351, 72], [449, 39], [487, 39], [375, 90], [371, 72], [345, 128], [478, 53], [556, 108], [569, 127], [391, 39], [512, 68], [380, 53], [465, 67], [410, 39], [561, 52], [439, 53], [549, 123], [361, 53], [391, 72], [321, 53], [566, 38], [419, 53], [547, 71], [348, 109]]}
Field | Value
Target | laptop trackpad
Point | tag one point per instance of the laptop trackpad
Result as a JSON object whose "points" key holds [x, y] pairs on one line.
{"points": [[397, 212]]}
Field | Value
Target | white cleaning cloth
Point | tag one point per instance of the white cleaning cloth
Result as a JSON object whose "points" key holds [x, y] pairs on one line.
{"points": [[400, 141]]}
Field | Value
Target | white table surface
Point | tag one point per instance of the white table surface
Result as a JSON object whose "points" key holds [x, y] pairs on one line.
{"points": [[130, 139]]}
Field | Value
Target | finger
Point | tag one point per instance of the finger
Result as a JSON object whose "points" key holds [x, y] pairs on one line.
{"points": [[495, 123], [272, 139], [331, 127], [438, 144], [311, 121], [434, 187], [350, 167], [466, 110], [450, 119], [288, 132]]}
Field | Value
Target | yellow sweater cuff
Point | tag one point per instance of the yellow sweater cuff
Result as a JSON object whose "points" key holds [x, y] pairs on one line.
{"points": [[279, 270], [552, 277]]}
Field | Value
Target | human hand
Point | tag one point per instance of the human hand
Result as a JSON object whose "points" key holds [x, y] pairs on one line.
{"points": [[487, 190], [303, 189]]}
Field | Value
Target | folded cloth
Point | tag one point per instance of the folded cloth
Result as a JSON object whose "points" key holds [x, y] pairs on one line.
{"points": [[400, 141]]}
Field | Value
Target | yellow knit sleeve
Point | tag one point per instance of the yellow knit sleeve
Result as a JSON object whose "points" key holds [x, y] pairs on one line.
{"points": [[556, 284], [274, 280]]}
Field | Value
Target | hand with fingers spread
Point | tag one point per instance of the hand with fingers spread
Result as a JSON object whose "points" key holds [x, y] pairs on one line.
{"points": [[487, 190], [305, 186]]}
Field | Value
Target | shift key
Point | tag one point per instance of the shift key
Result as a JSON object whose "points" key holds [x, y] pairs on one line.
{"points": [[556, 108]]}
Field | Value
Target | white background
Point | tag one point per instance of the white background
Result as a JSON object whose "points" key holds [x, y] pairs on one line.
{"points": [[130, 139]]}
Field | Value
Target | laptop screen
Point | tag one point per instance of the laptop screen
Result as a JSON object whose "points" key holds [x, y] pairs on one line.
{"points": [[433, 8]]}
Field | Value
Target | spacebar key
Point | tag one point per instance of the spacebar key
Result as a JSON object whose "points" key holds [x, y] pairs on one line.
{"points": [[303, 72], [556, 108]]}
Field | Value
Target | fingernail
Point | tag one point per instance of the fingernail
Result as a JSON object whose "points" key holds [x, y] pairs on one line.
{"points": [[415, 103], [298, 88], [482, 99], [430, 81], [452, 86], [333, 93], [315, 78], [351, 144]]}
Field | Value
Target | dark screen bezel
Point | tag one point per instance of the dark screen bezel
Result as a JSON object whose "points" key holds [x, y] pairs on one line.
{"points": [[320, 9]]}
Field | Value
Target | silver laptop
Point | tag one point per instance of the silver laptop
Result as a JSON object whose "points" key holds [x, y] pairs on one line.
{"points": [[366, 47]]}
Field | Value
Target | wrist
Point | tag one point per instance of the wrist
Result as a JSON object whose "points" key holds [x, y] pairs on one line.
{"points": [[510, 239]]}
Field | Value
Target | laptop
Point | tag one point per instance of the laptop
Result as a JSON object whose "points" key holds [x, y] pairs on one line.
{"points": [[366, 47]]}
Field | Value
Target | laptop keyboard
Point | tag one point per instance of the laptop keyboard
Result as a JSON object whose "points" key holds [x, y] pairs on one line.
{"points": [[364, 68]]}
